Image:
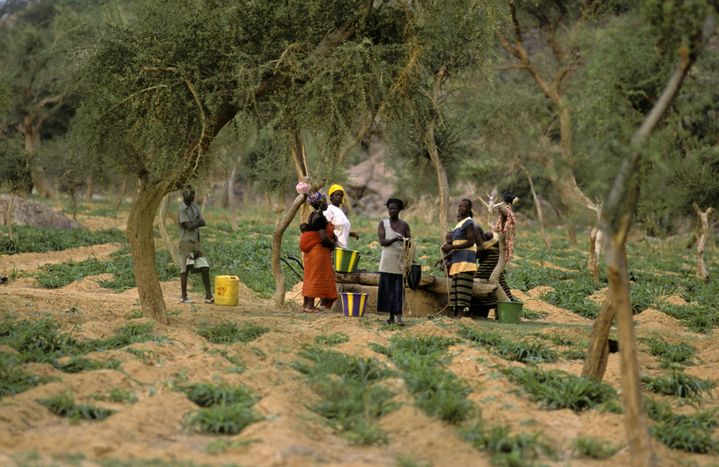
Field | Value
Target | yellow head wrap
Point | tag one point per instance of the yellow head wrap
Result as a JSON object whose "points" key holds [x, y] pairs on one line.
{"points": [[334, 188]]}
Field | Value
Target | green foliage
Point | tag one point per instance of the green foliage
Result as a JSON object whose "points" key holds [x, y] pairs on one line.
{"points": [[53, 276], [573, 295], [352, 401], [691, 433], [40, 240], [556, 389], [525, 350], [506, 449], [223, 419], [80, 364], [117, 395], [63, 404], [208, 394], [13, 379], [669, 354], [228, 332], [593, 448], [678, 384], [438, 392], [332, 339]]}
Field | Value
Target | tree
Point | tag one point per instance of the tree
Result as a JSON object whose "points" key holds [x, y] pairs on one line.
{"points": [[615, 223], [36, 71]]}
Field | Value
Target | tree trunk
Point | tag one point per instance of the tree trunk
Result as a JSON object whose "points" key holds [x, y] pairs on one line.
{"points": [[595, 364], [440, 173], [538, 207], [169, 244], [142, 244], [596, 239], [90, 188], [277, 234], [120, 194], [702, 235], [32, 144]]}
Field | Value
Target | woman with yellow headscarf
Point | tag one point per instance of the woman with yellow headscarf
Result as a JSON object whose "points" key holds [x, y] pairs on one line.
{"points": [[336, 216]]}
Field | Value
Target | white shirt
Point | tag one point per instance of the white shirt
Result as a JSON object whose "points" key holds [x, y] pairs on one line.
{"points": [[342, 225]]}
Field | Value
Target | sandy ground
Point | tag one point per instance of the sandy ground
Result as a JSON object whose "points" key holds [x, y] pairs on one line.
{"points": [[289, 434]]}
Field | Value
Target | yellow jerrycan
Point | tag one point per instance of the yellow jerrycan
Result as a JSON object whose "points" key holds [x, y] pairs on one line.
{"points": [[227, 290]]}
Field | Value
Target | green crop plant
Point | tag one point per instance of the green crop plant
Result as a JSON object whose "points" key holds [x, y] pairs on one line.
{"points": [[593, 448], [574, 354], [80, 364], [223, 419], [332, 339], [525, 350], [688, 432], [556, 389], [119, 264], [228, 332], [696, 317], [13, 379], [669, 354], [678, 384], [208, 394], [64, 405], [351, 399], [438, 392], [40, 240], [38, 340], [505, 448], [118, 395], [556, 338]]}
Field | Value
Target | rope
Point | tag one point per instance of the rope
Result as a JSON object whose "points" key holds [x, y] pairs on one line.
{"points": [[406, 259], [449, 287]]}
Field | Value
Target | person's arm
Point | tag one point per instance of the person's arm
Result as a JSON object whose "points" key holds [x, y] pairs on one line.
{"points": [[479, 237], [407, 233], [354, 235], [381, 236], [326, 240]]}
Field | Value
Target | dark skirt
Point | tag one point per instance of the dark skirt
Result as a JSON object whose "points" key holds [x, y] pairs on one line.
{"points": [[389, 295], [461, 290]]}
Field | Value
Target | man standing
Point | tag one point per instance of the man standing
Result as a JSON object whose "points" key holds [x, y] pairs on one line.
{"points": [[190, 221]]}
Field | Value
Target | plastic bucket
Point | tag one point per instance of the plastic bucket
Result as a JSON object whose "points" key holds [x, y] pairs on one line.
{"points": [[353, 303], [346, 260], [227, 290], [509, 312]]}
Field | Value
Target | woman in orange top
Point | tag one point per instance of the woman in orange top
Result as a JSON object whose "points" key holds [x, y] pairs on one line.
{"points": [[317, 242]]}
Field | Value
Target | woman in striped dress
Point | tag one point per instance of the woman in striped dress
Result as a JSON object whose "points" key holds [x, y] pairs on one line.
{"points": [[464, 258]]}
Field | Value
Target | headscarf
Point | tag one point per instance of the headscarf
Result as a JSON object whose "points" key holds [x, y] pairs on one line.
{"points": [[314, 198], [333, 188]]}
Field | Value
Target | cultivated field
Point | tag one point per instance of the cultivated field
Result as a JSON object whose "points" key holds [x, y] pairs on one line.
{"points": [[86, 379]]}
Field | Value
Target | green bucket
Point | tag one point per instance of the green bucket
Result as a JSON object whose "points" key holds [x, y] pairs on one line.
{"points": [[509, 312]]}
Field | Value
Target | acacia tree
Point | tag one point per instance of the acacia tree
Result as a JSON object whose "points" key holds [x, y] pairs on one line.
{"points": [[616, 220], [447, 38], [37, 66]]}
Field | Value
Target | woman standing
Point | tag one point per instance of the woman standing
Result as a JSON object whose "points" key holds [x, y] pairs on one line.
{"points": [[392, 233], [464, 258], [336, 216], [317, 243]]}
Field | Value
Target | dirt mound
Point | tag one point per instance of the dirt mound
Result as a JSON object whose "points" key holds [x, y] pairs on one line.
{"points": [[34, 214]]}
